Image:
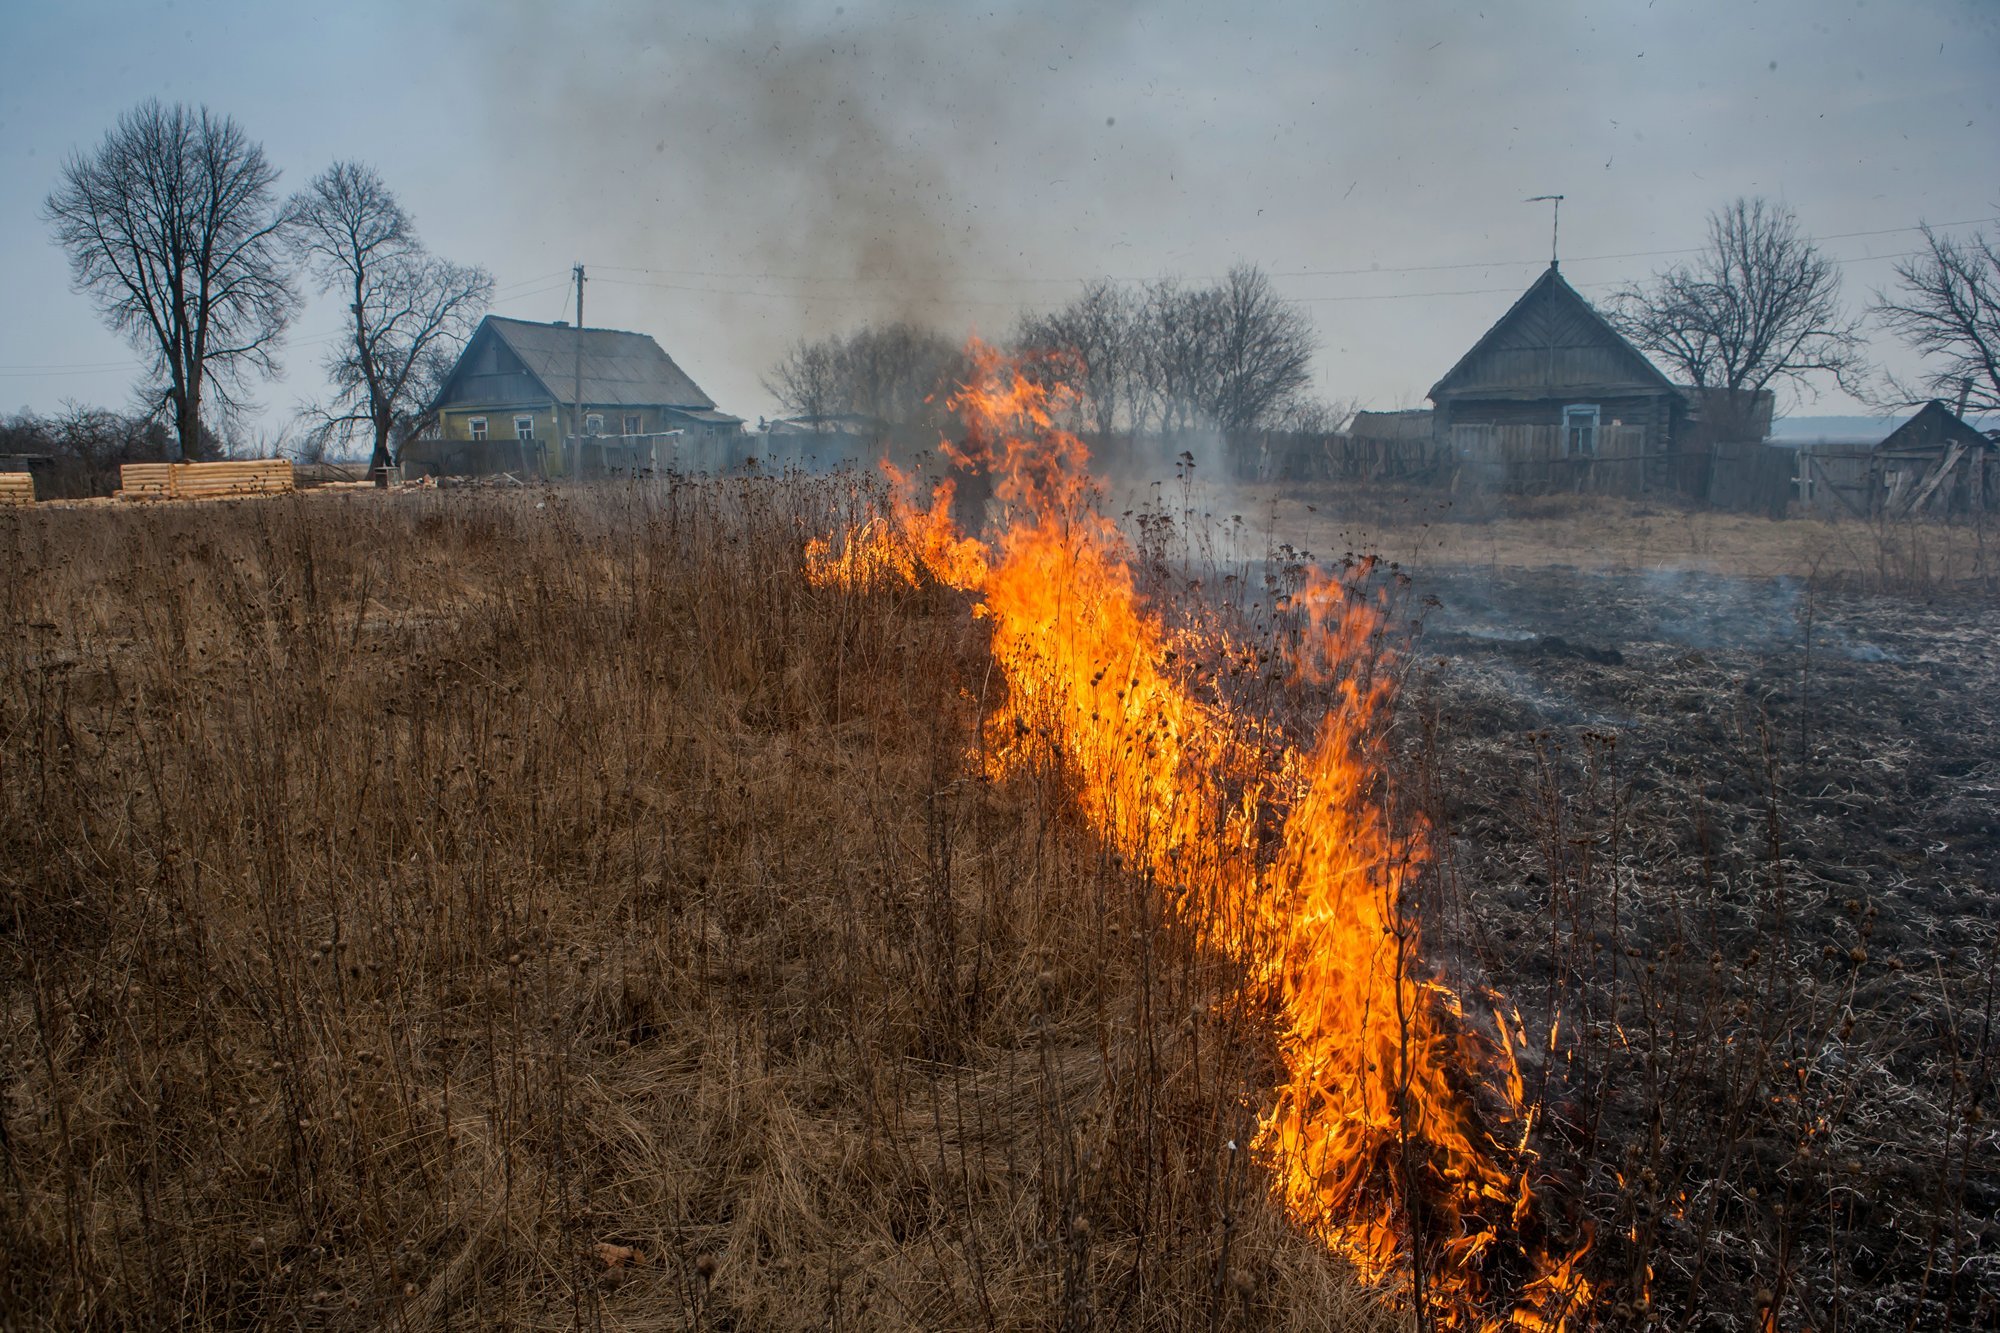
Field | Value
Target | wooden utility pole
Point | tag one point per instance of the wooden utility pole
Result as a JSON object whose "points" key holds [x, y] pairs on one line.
{"points": [[576, 387]]}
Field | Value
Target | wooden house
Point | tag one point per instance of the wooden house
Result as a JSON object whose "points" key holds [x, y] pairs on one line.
{"points": [[510, 404], [1552, 397]]}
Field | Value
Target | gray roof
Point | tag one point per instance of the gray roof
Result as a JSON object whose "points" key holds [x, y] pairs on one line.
{"points": [[1553, 287], [619, 369]]}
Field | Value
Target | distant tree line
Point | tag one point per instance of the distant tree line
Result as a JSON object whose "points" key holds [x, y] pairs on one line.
{"points": [[174, 227], [77, 450], [1166, 356], [1758, 306], [896, 373]]}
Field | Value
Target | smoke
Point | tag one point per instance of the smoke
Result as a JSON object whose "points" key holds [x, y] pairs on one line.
{"points": [[789, 169]]}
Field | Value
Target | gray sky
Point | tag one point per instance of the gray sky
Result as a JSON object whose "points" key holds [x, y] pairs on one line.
{"points": [[738, 175]]}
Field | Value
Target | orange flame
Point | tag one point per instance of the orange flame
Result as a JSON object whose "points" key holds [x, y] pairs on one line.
{"points": [[1285, 852]]}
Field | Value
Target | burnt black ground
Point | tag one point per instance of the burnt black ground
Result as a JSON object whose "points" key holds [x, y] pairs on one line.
{"points": [[1741, 836]]}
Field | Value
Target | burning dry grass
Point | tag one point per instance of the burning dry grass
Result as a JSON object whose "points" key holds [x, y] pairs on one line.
{"points": [[545, 909], [535, 910], [1236, 759]]}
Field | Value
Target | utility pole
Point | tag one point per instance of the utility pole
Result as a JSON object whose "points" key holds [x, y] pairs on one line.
{"points": [[1555, 222], [576, 387]]}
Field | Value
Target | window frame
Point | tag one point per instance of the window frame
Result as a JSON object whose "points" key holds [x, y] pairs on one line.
{"points": [[1577, 412], [593, 423], [633, 422], [527, 437], [475, 428]]}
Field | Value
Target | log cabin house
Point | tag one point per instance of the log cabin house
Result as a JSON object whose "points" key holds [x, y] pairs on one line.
{"points": [[510, 405], [1553, 398]]}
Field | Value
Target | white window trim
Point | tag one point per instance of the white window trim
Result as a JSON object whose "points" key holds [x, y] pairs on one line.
{"points": [[476, 427], [593, 423], [529, 418], [1596, 415]]}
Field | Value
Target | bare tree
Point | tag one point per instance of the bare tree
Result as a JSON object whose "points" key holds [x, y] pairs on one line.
{"points": [[1177, 351], [1228, 357], [172, 227], [1316, 416], [1759, 305], [896, 372], [806, 380], [1101, 330], [408, 311], [1947, 306], [1263, 349], [900, 372]]}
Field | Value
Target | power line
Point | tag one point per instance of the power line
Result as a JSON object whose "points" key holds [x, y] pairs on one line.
{"points": [[524, 282], [954, 303], [885, 298], [559, 281]]}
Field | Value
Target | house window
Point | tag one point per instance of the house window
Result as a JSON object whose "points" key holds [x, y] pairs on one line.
{"points": [[593, 424], [631, 425], [476, 427], [524, 428], [1580, 430]]}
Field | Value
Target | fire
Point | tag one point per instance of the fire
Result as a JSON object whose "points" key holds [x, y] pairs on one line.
{"points": [[1384, 1134]]}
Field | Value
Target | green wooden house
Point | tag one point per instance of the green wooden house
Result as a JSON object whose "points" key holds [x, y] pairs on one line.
{"points": [[553, 400]]}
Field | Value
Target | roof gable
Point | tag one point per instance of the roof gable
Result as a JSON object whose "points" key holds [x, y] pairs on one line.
{"points": [[1551, 339], [1933, 427], [618, 369]]}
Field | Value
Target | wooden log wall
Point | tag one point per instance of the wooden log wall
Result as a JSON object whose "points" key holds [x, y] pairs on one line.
{"points": [[17, 488]]}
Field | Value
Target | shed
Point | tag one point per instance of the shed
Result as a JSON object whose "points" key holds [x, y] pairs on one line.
{"points": [[1934, 463]]}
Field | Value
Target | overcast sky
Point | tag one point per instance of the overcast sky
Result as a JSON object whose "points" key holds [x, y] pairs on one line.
{"points": [[737, 175]]}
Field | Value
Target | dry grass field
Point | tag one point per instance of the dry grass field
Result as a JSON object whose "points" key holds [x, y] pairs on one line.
{"points": [[546, 910], [1427, 528], [531, 908]]}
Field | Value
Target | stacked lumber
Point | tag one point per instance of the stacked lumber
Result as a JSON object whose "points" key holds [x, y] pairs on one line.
{"points": [[17, 488], [204, 481], [145, 481]]}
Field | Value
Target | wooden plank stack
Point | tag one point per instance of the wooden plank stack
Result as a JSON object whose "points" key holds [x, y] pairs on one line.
{"points": [[204, 481], [146, 481], [17, 488]]}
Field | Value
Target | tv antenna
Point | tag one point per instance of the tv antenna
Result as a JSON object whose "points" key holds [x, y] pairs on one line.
{"points": [[1555, 221]]}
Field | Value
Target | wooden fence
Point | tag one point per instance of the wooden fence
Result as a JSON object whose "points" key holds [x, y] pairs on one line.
{"points": [[1532, 460], [17, 488], [1863, 481], [204, 481]]}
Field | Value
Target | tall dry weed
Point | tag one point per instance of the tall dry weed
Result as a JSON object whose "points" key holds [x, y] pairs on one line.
{"points": [[548, 910]]}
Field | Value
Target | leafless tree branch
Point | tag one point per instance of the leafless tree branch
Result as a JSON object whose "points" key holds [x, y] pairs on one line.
{"points": [[1947, 306], [1760, 305], [408, 311]]}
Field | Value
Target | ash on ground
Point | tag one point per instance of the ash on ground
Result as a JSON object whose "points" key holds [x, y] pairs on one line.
{"points": [[1738, 839]]}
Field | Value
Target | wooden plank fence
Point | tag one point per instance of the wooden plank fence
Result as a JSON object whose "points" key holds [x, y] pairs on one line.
{"points": [[204, 481], [17, 488]]}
